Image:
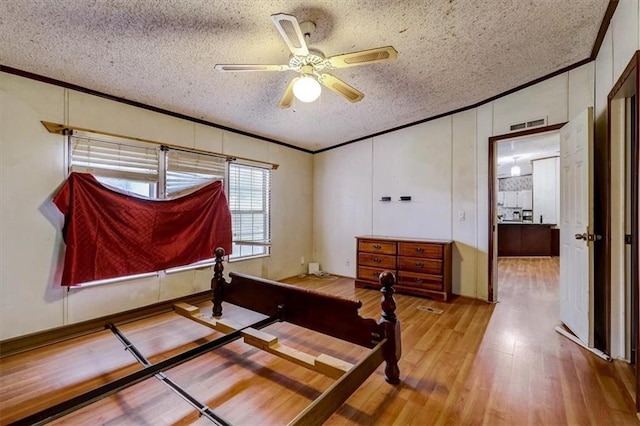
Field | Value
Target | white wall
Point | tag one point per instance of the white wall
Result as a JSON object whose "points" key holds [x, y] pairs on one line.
{"points": [[548, 99], [33, 167], [403, 169], [443, 164], [620, 43], [465, 213], [342, 177], [484, 129]]}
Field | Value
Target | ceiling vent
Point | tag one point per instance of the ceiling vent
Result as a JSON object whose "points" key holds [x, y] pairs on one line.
{"points": [[528, 124]]}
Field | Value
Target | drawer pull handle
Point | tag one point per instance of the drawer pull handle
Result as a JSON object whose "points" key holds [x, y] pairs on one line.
{"points": [[420, 250], [419, 264], [377, 246], [418, 280], [375, 274], [377, 260]]}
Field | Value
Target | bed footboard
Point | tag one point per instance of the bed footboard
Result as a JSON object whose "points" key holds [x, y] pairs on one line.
{"points": [[392, 349], [321, 312]]}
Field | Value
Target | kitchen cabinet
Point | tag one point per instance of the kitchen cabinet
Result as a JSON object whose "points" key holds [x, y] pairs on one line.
{"points": [[510, 199], [527, 239], [525, 199], [546, 190], [516, 199]]}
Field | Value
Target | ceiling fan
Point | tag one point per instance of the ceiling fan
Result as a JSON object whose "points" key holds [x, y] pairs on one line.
{"points": [[311, 64]]}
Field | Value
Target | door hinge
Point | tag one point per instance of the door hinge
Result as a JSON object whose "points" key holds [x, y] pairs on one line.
{"points": [[627, 239]]}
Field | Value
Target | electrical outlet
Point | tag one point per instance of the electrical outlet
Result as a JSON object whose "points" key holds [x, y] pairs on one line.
{"points": [[347, 262], [302, 260]]}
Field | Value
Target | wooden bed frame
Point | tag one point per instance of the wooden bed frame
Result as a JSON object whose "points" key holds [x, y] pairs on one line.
{"points": [[324, 313], [321, 312]]}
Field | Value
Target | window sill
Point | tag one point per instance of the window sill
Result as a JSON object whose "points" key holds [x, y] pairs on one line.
{"points": [[240, 259], [203, 264]]}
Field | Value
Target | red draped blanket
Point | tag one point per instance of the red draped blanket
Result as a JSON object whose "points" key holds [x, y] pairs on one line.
{"points": [[110, 234]]}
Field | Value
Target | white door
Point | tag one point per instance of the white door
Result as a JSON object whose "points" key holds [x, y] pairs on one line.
{"points": [[576, 226]]}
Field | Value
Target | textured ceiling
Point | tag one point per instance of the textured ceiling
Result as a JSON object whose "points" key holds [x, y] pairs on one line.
{"points": [[451, 54]]}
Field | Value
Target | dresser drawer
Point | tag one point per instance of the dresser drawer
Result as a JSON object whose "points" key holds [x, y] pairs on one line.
{"points": [[411, 279], [369, 274], [377, 260], [432, 251], [420, 264], [373, 246], [422, 267]]}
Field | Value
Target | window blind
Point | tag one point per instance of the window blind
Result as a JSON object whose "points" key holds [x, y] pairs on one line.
{"points": [[113, 159], [250, 204], [186, 170]]}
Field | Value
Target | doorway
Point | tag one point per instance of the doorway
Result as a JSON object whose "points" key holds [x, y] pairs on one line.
{"points": [[600, 315], [621, 146], [527, 202], [517, 238]]}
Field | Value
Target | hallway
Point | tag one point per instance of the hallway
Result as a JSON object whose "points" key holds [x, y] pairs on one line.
{"points": [[544, 377]]}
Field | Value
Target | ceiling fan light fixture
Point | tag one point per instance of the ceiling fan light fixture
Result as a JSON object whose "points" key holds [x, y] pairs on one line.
{"points": [[306, 89], [311, 64]]}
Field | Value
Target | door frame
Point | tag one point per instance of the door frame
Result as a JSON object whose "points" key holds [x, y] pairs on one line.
{"points": [[492, 225], [628, 86]]}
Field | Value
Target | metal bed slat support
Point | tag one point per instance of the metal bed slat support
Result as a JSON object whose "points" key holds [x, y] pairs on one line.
{"points": [[82, 400], [202, 408]]}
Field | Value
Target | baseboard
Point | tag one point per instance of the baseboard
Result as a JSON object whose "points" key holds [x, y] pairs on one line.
{"points": [[38, 339]]}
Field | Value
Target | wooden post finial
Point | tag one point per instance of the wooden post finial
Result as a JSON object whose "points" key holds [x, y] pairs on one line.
{"points": [[389, 321], [217, 283]]}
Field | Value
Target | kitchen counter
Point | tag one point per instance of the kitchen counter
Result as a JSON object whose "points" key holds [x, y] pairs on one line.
{"points": [[528, 239]]}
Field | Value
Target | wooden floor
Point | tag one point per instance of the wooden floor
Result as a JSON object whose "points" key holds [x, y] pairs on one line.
{"points": [[473, 363]]}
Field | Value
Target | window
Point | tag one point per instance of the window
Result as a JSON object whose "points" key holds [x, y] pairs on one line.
{"points": [[186, 170], [149, 170], [131, 167], [249, 192], [155, 171]]}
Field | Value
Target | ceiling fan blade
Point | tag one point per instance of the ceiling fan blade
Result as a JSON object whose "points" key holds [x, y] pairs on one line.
{"points": [[287, 98], [371, 56], [248, 67], [290, 31], [340, 87]]}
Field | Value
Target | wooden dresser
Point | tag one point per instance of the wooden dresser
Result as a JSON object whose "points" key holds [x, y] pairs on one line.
{"points": [[422, 267]]}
